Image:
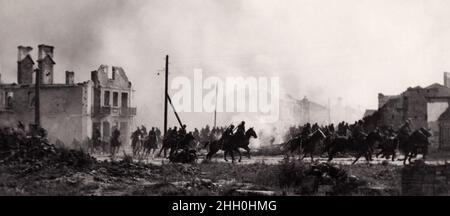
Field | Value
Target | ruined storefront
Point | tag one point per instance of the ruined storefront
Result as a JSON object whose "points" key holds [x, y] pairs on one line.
{"points": [[69, 111]]}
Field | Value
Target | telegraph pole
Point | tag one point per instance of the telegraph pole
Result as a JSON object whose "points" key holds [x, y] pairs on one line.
{"points": [[37, 85], [166, 93]]}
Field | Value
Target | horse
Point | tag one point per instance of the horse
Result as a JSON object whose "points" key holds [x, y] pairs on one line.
{"points": [[340, 144], [365, 146], [167, 143], [115, 146], [328, 141], [237, 142], [214, 147], [387, 147], [292, 145], [136, 143], [181, 153], [149, 144], [183, 143], [309, 143], [418, 140]]}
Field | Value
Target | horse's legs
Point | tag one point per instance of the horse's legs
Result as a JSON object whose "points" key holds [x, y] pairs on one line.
{"points": [[406, 157], [225, 155], [357, 158], [302, 157], [331, 154], [368, 156], [248, 151], [240, 155], [165, 151], [312, 157], [232, 156], [208, 156]]}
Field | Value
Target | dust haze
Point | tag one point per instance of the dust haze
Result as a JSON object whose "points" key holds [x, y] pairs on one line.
{"points": [[320, 49]]}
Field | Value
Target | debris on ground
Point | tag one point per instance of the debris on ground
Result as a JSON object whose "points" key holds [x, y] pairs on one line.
{"points": [[324, 177], [35, 153], [183, 156], [31, 165]]}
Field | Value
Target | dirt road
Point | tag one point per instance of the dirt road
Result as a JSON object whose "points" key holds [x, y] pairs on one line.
{"points": [[279, 158]]}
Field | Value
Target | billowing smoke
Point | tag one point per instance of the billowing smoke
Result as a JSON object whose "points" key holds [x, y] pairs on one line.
{"points": [[321, 49]]}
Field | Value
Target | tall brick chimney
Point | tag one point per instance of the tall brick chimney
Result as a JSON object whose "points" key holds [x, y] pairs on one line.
{"points": [[70, 77], [45, 61], [447, 79], [24, 65]]}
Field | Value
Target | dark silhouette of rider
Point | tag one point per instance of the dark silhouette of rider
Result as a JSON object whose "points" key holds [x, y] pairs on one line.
{"points": [[306, 130], [406, 128], [315, 127], [229, 131], [115, 141], [152, 133], [241, 129], [182, 131], [390, 131]]}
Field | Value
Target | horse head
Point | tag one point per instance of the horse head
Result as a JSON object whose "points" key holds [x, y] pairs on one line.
{"points": [[251, 133]]}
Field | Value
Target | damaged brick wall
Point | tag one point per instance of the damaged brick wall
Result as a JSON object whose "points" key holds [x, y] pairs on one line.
{"points": [[426, 180], [64, 111]]}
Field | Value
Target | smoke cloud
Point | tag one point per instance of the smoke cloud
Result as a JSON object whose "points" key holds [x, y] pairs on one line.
{"points": [[321, 49]]}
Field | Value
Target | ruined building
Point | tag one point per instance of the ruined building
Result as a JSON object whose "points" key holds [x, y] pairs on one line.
{"points": [[69, 111], [425, 107], [298, 112]]}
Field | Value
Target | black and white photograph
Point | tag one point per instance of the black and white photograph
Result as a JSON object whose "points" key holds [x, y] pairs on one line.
{"points": [[235, 98]]}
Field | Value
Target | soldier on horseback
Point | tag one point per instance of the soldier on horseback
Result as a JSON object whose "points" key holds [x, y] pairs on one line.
{"points": [[358, 130], [152, 134], [306, 130], [135, 139], [406, 128], [115, 142], [390, 132], [182, 131], [229, 131], [143, 131], [240, 132], [227, 134], [315, 127], [404, 132], [331, 128]]}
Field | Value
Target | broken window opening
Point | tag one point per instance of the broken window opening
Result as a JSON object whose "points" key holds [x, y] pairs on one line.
{"points": [[115, 99], [106, 100], [9, 100], [31, 99], [124, 99]]}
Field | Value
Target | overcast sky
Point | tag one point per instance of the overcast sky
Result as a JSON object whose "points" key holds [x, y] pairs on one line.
{"points": [[323, 49]]}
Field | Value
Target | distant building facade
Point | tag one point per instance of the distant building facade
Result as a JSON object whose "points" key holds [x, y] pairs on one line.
{"points": [[69, 111], [298, 112]]}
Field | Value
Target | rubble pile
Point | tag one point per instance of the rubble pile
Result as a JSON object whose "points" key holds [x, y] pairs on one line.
{"points": [[36, 153], [183, 156], [126, 169], [318, 178]]}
